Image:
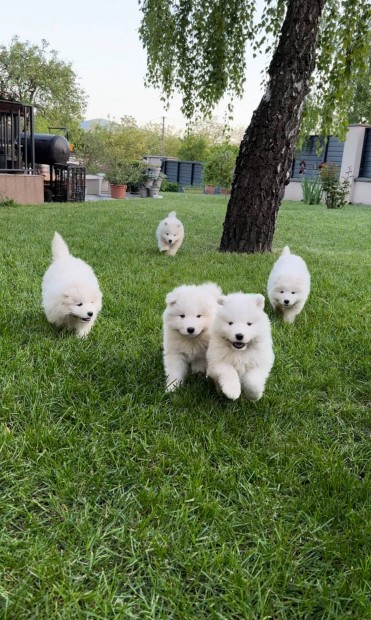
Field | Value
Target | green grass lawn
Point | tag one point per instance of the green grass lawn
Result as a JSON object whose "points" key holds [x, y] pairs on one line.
{"points": [[119, 501]]}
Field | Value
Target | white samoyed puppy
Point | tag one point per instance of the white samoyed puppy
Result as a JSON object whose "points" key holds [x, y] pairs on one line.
{"points": [[240, 353], [288, 285], [71, 296], [170, 234], [187, 321]]}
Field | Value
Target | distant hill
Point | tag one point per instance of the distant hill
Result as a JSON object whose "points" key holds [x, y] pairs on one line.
{"points": [[94, 121]]}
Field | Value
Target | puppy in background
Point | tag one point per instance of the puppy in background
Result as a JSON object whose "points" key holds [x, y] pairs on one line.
{"points": [[170, 234], [288, 285], [187, 321], [71, 297], [240, 353]]}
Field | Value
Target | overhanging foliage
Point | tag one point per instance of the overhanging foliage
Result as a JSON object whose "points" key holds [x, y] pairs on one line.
{"points": [[197, 47]]}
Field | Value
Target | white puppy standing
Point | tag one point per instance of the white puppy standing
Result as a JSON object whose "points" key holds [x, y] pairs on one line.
{"points": [[240, 354], [288, 285], [187, 321], [71, 296], [170, 234]]}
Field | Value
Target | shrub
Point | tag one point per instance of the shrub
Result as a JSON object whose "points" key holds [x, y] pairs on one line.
{"points": [[219, 167], [169, 186], [334, 189], [312, 190]]}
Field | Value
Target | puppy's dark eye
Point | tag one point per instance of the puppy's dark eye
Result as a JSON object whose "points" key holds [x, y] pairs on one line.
{"points": [[199, 316], [79, 304], [182, 316], [249, 324], [292, 292], [282, 292], [230, 323]]}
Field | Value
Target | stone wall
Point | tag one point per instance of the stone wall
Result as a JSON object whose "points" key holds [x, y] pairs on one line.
{"points": [[25, 189]]}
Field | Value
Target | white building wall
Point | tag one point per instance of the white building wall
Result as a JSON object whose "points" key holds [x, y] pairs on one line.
{"points": [[361, 192]]}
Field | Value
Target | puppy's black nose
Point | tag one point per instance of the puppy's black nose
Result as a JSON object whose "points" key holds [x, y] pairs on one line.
{"points": [[170, 241], [190, 330], [90, 313], [286, 301], [239, 336]]}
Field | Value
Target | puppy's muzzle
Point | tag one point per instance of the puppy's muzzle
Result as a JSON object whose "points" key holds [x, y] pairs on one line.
{"points": [[238, 344]]}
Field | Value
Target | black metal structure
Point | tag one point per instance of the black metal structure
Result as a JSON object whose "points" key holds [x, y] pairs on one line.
{"points": [[49, 149], [183, 172], [21, 148], [16, 119], [68, 183]]}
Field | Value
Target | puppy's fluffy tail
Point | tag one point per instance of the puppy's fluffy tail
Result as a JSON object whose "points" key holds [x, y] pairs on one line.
{"points": [[59, 247], [172, 214], [285, 251]]}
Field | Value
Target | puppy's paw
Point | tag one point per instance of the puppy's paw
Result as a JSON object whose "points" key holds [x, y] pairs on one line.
{"points": [[254, 394], [231, 390]]}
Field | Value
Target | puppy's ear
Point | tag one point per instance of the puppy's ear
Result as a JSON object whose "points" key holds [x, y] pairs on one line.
{"points": [[170, 299], [260, 301], [221, 300]]}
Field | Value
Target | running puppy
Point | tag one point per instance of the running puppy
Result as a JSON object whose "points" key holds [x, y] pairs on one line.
{"points": [[71, 296], [187, 321], [240, 354], [288, 285], [170, 234]]}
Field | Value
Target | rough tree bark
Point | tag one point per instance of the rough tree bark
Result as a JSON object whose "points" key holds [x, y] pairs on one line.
{"points": [[267, 149]]}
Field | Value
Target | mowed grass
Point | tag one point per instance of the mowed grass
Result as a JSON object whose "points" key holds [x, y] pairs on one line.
{"points": [[119, 501]]}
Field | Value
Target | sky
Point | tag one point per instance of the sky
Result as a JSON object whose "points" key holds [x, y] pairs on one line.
{"points": [[100, 39]]}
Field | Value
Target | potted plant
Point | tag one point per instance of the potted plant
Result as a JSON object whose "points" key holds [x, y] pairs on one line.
{"points": [[138, 178], [119, 176]]}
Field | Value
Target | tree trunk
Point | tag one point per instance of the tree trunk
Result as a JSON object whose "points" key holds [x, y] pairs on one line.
{"points": [[267, 149]]}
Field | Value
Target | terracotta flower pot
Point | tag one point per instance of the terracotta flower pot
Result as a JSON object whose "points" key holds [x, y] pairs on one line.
{"points": [[118, 191]]}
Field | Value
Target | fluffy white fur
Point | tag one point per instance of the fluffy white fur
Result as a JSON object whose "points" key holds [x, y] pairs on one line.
{"points": [[170, 234], [240, 354], [71, 296], [187, 320], [288, 285]]}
